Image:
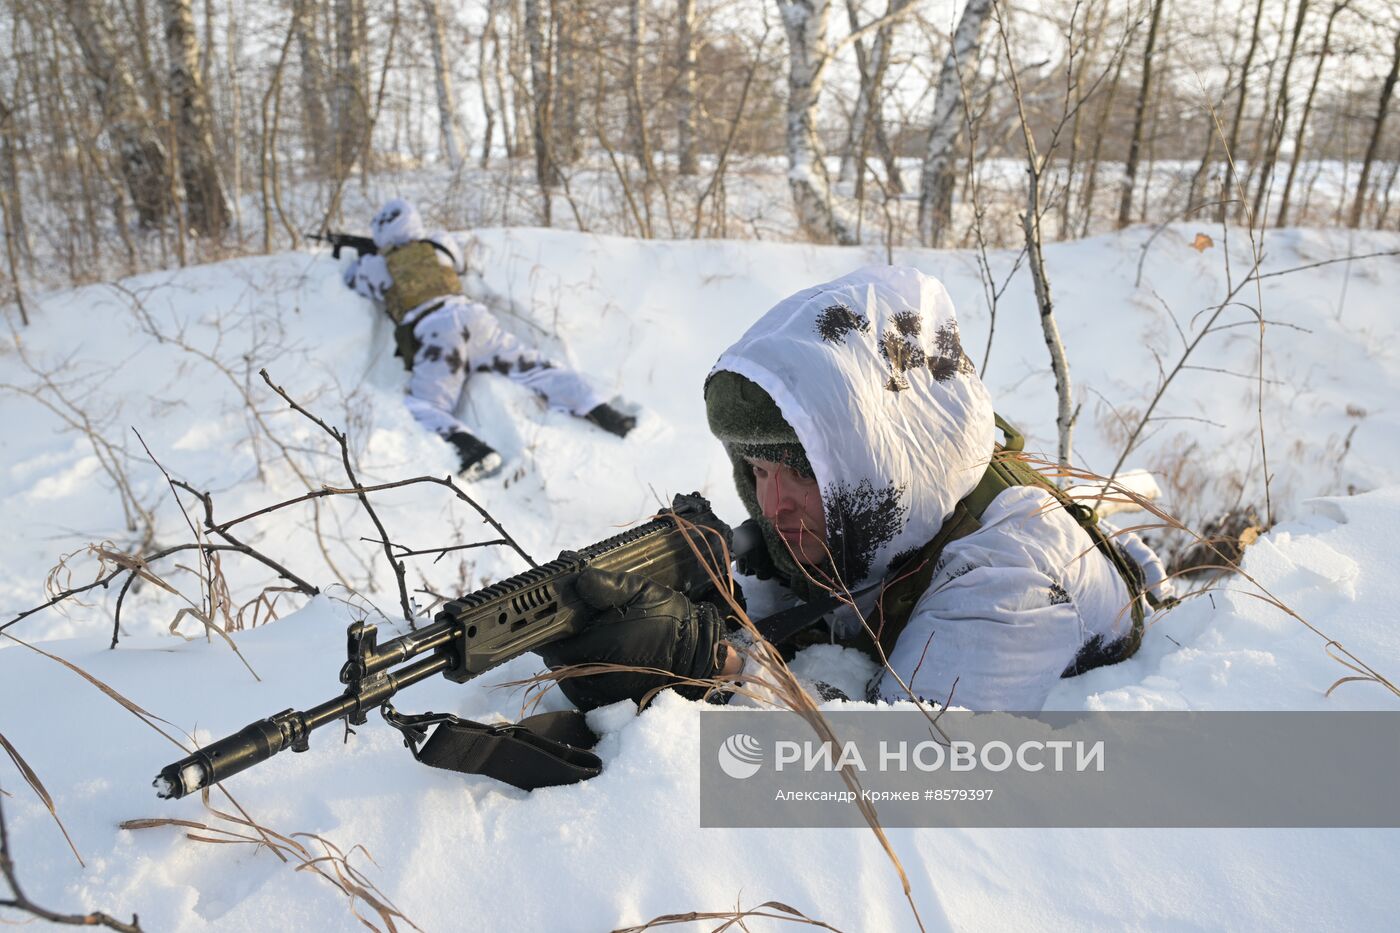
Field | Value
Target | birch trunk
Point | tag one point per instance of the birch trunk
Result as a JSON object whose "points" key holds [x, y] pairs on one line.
{"points": [[937, 178], [805, 22], [634, 80], [685, 88], [351, 107], [449, 126], [1358, 206], [313, 82], [141, 156], [564, 95], [488, 39], [541, 94], [205, 205]]}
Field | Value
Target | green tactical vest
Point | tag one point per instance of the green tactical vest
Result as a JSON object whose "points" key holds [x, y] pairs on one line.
{"points": [[418, 277], [912, 577]]}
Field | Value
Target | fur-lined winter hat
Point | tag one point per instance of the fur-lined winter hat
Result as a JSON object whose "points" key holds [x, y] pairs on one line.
{"points": [[747, 421]]}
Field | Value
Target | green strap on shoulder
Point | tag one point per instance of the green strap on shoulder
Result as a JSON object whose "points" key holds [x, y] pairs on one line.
{"points": [[1004, 471]]}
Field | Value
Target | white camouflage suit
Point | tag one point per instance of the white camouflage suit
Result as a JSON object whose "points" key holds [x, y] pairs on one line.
{"points": [[870, 373], [459, 337]]}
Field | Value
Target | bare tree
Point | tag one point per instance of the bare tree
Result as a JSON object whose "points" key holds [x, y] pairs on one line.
{"points": [[448, 122], [1323, 55], [938, 176], [1358, 205], [205, 205], [313, 82], [541, 95], [351, 105], [1125, 201], [565, 17], [141, 156], [868, 122], [686, 162], [805, 22], [1279, 122]]}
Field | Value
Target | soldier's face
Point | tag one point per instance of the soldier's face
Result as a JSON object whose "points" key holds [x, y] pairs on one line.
{"points": [[793, 504]]}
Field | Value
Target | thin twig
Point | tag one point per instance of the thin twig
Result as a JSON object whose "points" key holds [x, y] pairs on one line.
{"points": [[398, 567]]}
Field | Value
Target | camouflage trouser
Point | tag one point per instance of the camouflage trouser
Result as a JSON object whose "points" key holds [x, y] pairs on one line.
{"points": [[463, 337]]}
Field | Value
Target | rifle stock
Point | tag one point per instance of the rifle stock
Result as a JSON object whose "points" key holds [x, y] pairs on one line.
{"points": [[473, 634]]}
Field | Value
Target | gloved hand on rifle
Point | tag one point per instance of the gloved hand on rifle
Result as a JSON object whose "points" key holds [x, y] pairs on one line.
{"points": [[640, 623]]}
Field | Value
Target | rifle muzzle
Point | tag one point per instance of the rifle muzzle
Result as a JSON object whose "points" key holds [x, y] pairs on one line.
{"points": [[250, 745]]}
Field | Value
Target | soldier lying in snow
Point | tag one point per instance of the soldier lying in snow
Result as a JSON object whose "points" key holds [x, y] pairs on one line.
{"points": [[443, 337], [862, 442]]}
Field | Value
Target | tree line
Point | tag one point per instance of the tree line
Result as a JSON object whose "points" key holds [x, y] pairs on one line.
{"points": [[142, 130]]}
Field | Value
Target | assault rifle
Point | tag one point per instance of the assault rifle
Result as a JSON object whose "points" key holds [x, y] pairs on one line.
{"points": [[473, 634], [362, 245]]}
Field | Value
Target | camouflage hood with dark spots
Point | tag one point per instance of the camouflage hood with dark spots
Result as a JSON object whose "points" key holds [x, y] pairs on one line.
{"points": [[870, 373]]}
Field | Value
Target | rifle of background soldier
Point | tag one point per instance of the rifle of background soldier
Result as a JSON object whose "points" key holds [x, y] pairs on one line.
{"points": [[363, 245], [473, 634]]}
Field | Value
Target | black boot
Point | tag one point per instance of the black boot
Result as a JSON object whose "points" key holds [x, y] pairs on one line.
{"points": [[478, 460], [610, 419]]}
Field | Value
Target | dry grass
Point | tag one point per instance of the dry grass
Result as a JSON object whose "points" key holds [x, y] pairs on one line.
{"points": [[331, 863], [37, 786], [768, 910], [1223, 556]]}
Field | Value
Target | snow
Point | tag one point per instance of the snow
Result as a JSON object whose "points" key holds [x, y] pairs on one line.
{"points": [[647, 320]]}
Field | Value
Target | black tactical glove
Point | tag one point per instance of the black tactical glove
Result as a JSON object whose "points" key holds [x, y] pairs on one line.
{"points": [[640, 623], [612, 420]]}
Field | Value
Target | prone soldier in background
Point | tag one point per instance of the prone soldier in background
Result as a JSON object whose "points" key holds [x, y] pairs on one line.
{"points": [[443, 337]]}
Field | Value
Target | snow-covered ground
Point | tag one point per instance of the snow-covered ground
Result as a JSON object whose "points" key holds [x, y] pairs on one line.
{"points": [[175, 355]]}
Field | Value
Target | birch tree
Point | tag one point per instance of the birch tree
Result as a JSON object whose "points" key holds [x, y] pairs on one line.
{"points": [[686, 162], [805, 22], [313, 81], [350, 104], [205, 205], [141, 156], [541, 98], [937, 178], [450, 126]]}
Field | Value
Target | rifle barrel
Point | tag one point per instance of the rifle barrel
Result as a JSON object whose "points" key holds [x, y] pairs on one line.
{"points": [[259, 741]]}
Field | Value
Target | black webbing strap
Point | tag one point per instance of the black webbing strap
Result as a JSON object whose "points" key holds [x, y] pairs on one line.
{"points": [[781, 626], [544, 750]]}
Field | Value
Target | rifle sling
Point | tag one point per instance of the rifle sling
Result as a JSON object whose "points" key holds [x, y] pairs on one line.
{"points": [[544, 750], [780, 626]]}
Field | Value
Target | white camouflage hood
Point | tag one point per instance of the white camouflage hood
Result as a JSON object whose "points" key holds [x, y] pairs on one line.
{"points": [[398, 222], [870, 373]]}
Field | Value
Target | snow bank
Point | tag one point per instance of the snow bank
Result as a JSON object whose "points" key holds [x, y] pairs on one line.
{"points": [[648, 319]]}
